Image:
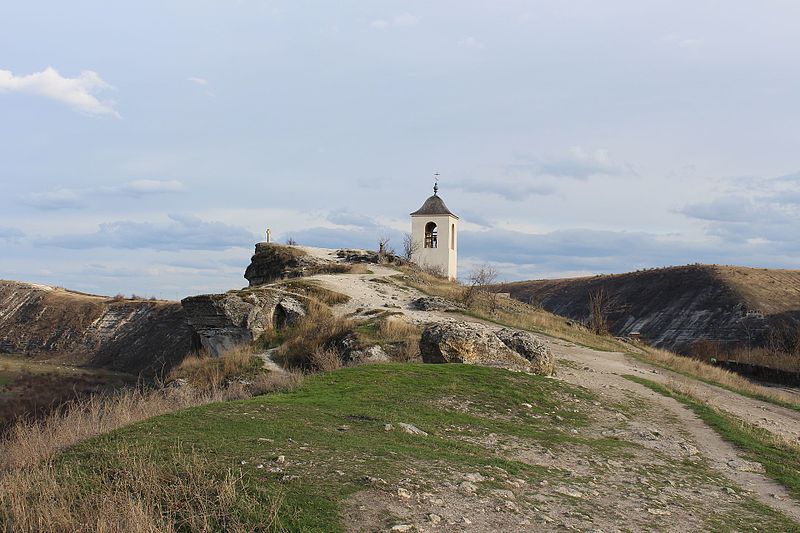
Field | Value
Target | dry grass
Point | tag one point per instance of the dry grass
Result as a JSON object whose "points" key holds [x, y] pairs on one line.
{"points": [[359, 268], [715, 375], [311, 289], [210, 373], [315, 333], [275, 382], [137, 495], [326, 360], [765, 358], [403, 337], [30, 442]]}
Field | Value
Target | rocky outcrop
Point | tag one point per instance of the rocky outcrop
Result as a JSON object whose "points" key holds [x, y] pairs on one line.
{"points": [[136, 336], [274, 262], [531, 348], [476, 344], [223, 321], [434, 303]]}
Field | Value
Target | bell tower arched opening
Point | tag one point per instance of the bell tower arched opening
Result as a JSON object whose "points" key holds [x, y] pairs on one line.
{"points": [[431, 235]]}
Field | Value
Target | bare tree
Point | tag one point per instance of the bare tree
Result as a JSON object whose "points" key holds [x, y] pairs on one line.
{"points": [[410, 246], [478, 282], [384, 251], [601, 305], [291, 242]]}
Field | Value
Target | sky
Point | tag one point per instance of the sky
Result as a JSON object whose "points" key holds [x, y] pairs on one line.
{"points": [[146, 146]]}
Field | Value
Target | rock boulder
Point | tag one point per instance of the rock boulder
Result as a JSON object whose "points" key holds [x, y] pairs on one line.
{"points": [[433, 303], [531, 348], [477, 344]]}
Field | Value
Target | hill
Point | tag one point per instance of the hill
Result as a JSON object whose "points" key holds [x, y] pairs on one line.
{"points": [[493, 450], [127, 335], [675, 308], [329, 414]]}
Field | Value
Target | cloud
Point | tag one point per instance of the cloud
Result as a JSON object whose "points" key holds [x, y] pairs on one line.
{"points": [[75, 198], [585, 251], [146, 187], [198, 81], [581, 164], [78, 93], [343, 217], [181, 232], [403, 20], [471, 43], [10, 235], [683, 41], [539, 176], [515, 189], [406, 19], [754, 210], [55, 199], [728, 209]]}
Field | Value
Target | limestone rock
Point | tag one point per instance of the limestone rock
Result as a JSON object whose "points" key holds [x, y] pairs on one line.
{"points": [[468, 343], [371, 354], [531, 348], [223, 321], [288, 311], [411, 429], [433, 303], [272, 262]]}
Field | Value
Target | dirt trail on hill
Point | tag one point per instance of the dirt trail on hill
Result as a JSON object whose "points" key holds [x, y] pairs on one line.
{"points": [[602, 372]]}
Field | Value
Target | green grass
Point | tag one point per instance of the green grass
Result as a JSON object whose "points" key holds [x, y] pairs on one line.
{"points": [[781, 462], [306, 427]]}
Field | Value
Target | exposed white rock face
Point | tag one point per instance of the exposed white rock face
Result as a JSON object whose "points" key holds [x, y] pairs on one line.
{"points": [[239, 317], [477, 344], [138, 336]]}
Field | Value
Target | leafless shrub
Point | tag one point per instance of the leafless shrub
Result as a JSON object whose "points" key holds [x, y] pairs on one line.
{"points": [[410, 247], [291, 242], [434, 270], [601, 305], [478, 282]]}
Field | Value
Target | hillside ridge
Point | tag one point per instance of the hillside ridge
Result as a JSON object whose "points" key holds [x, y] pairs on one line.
{"points": [[128, 335], [675, 307]]}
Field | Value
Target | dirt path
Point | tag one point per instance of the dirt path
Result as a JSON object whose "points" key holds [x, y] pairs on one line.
{"points": [[602, 372]]}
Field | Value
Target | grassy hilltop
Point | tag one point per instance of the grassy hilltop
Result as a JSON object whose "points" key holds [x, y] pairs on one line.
{"points": [[502, 450]]}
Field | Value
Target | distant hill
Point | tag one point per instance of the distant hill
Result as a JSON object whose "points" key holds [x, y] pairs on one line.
{"points": [[676, 307], [127, 335]]}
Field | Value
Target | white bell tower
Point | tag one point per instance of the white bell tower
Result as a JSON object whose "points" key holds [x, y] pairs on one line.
{"points": [[434, 231]]}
